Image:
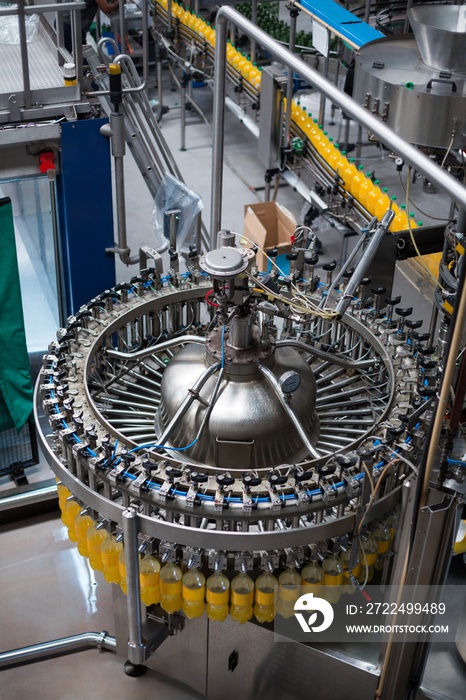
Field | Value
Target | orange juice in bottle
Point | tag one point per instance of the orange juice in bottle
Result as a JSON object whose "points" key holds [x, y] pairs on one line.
{"points": [[82, 523], [149, 579], [289, 585], [265, 594], [312, 576], [110, 552], [95, 536], [217, 596], [193, 593], [170, 588], [333, 579], [70, 510], [242, 598], [372, 197]]}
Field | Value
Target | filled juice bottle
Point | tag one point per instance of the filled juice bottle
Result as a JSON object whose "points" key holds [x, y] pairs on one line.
{"points": [[110, 552], [312, 576], [82, 523], [328, 150], [265, 593], [149, 579], [335, 159], [122, 571], [333, 580], [383, 537], [217, 596], [347, 173], [323, 144], [356, 571], [400, 222], [365, 187], [193, 592], [289, 590], [170, 587], [382, 203], [370, 552], [63, 494], [357, 181], [372, 197], [95, 537], [242, 598], [68, 515]]}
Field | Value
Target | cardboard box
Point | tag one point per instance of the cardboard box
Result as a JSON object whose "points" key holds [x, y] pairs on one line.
{"points": [[269, 225]]}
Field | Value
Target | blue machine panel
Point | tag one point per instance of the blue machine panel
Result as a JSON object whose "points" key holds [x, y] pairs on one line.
{"points": [[86, 212], [347, 25]]}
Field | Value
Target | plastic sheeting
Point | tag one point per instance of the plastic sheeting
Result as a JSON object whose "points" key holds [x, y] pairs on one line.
{"points": [[173, 194]]}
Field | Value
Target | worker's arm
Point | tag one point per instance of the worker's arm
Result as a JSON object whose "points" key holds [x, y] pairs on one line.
{"points": [[108, 6]]}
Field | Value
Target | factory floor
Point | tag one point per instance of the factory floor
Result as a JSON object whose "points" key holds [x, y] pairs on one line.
{"points": [[48, 591]]}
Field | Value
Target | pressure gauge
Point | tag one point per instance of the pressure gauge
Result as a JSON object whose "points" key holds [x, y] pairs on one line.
{"points": [[289, 381]]}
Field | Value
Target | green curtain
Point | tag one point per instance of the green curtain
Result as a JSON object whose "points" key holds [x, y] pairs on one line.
{"points": [[15, 376]]}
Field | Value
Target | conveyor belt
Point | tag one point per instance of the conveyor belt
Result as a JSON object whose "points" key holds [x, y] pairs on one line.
{"points": [[46, 77]]}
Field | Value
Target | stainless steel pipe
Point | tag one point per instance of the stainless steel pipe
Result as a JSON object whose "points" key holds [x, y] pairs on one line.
{"points": [[136, 648], [57, 647], [361, 115]]}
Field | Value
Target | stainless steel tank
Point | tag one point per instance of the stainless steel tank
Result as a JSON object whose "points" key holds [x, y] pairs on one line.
{"points": [[418, 84]]}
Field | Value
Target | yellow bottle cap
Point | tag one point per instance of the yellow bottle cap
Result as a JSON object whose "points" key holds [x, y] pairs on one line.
{"points": [[114, 69]]}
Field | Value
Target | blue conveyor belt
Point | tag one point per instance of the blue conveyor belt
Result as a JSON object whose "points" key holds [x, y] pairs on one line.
{"points": [[345, 24]]}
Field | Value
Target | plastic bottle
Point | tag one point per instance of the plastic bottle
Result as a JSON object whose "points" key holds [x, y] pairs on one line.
{"points": [[392, 523], [383, 537], [333, 580], [382, 204], [242, 598], [347, 173], [193, 593], [217, 596], [335, 159], [110, 553], [95, 537], [289, 589], [356, 571], [68, 515], [365, 187], [357, 181], [372, 197], [323, 143], [400, 222], [63, 494], [170, 588], [149, 579], [122, 571], [370, 552], [312, 576], [82, 523], [265, 593]]}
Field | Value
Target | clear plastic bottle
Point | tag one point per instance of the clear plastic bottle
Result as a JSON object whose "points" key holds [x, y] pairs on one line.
{"points": [[110, 553], [265, 594], [149, 579], [289, 590], [95, 537], [242, 598], [82, 523], [122, 571], [333, 580], [370, 552], [68, 515], [392, 522], [63, 494], [170, 588], [382, 535], [312, 576], [217, 596], [356, 571], [193, 592]]}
